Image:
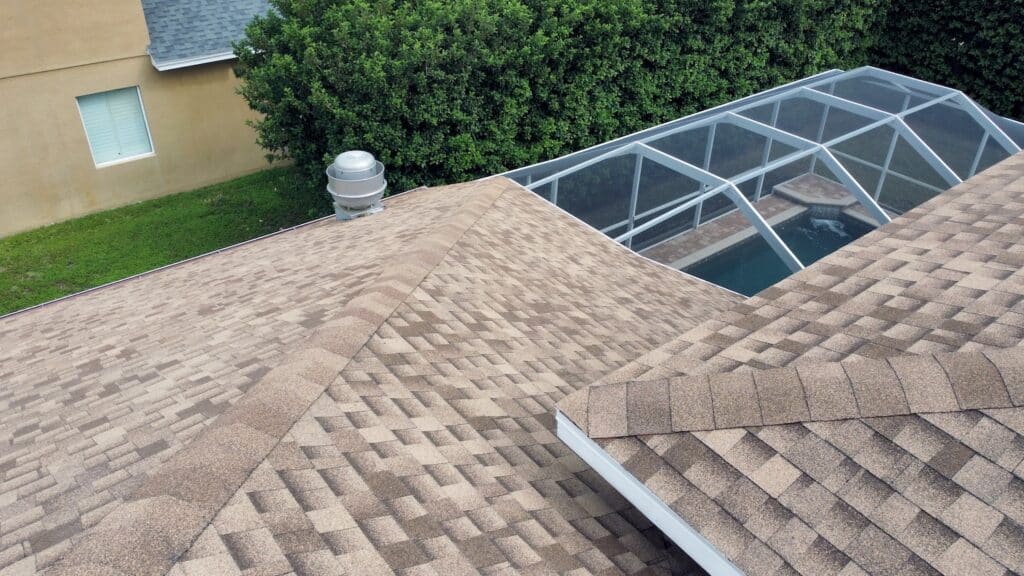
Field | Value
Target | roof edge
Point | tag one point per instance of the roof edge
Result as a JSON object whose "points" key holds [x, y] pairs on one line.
{"points": [[637, 493], [164, 267], [189, 259], [176, 64]]}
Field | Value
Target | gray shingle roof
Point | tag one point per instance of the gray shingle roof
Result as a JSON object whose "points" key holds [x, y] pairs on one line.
{"points": [[189, 32]]}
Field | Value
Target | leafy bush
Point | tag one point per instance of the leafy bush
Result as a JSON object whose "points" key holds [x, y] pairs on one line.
{"points": [[443, 91], [974, 45]]}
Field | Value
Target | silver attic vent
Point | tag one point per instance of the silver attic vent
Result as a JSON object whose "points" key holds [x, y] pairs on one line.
{"points": [[356, 183]]}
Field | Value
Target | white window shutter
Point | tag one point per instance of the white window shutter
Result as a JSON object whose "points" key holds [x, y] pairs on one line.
{"points": [[115, 125]]}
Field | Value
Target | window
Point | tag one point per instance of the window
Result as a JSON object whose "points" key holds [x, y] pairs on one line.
{"points": [[115, 125]]}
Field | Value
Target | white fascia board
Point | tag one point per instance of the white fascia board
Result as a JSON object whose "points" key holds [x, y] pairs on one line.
{"points": [[670, 523], [189, 62]]}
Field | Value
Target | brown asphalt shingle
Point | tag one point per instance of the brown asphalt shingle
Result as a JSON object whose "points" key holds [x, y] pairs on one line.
{"points": [[410, 428], [909, 455], [396, 414], [782, 395], [94, 384]]}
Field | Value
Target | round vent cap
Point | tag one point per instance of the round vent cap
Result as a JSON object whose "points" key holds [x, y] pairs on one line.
{"points": [[355, 165]]}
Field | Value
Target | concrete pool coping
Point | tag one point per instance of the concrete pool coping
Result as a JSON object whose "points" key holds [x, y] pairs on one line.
{"points": [[737, 238]]}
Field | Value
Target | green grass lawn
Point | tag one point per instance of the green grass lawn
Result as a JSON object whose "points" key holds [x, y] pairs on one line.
{"points": [[68, 257]]}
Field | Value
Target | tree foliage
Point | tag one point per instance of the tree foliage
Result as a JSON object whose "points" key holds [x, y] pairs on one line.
{"points": [[974, 45], [443, 91]]}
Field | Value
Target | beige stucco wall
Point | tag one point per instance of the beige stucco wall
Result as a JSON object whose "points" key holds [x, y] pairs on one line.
{"points": [[39, 35], [47, 174], [54, 50]]}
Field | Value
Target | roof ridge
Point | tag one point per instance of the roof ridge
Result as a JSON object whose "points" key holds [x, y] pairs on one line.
{"points": [[853, 388], [170, 508]]}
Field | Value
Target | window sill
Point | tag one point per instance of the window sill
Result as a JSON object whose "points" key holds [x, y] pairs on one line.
{"points": [[125, 160]]}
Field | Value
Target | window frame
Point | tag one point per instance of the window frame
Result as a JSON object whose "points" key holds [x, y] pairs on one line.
{"points": [[145, 120]]}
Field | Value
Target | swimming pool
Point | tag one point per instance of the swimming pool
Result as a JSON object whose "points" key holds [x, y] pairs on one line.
{"points": [[752, 266]]}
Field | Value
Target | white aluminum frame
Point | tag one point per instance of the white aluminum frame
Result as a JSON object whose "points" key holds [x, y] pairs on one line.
{"points": [[622, 139], [897, 122], [723, 186], [821, 91], [647, 502]]}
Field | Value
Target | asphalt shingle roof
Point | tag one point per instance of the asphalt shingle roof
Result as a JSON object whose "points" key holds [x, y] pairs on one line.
{"points": [[375, 395], [853, 388], [862, 416], [95, 395], [378, 396], [187, 32]]}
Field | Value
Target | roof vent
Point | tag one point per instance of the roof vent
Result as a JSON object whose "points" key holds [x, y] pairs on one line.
{"points": [[356, 183]]}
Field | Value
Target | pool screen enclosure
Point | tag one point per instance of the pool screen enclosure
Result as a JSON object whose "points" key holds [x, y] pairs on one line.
{"points": [[891, 141]]}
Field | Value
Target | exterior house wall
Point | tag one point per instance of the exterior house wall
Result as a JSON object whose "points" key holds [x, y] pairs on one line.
{"points": [[52, 51], [41, 35]]}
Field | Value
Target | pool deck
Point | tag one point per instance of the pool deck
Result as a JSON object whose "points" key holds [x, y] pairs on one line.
{"points": [[813, 189], [789, 200]]}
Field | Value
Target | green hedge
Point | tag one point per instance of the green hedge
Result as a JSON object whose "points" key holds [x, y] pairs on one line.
{"points": [[974, 45], [444, 91]]}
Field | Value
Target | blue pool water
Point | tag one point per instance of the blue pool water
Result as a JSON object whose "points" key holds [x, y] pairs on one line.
{"points": [[752, 265]]}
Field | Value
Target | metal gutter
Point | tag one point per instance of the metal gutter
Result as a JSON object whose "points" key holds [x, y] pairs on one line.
{"points": [[657, 511], [189, 62]]}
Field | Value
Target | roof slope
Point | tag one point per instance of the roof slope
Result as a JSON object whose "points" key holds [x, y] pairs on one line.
{"points": [[101, 388], [190, 32], [860, 416], [399, 375]]}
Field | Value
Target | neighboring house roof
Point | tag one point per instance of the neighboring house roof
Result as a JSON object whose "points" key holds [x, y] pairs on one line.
{"points": [[862, 416], [191, 32], [374, 396]]}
